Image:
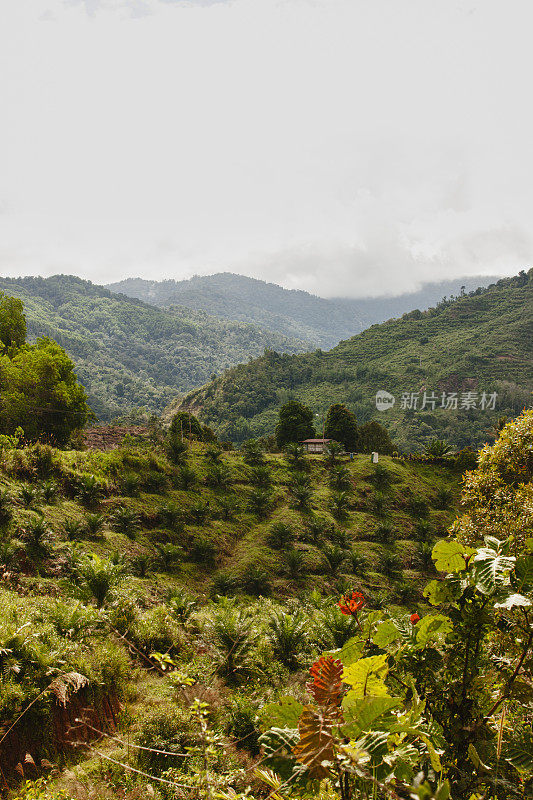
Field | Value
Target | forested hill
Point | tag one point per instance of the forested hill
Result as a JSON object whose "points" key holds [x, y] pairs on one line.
{"points": [[482, 342], [293, 313], [129, 354]]}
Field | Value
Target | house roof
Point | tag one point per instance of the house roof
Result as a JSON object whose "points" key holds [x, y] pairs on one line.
{"points": [[315, 441]]}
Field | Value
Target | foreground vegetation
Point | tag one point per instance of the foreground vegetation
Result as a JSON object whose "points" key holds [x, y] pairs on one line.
{"points": [[193, 588]]}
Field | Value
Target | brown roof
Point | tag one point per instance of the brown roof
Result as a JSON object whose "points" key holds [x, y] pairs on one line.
{"points": [[315, 441]]}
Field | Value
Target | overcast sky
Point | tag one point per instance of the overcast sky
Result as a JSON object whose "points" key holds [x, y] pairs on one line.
{"points": [[339, 146]]}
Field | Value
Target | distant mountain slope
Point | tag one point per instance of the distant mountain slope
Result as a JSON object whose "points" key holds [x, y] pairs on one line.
{"points": [[130, 354], [480, 342], [322, 322]]}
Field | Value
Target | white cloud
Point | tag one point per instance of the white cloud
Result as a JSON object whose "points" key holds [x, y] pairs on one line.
{"points": [[341, 146]]}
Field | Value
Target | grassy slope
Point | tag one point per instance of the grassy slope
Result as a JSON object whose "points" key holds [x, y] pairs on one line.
{"points": [[129, 354], [478, 342], [142, 480]]}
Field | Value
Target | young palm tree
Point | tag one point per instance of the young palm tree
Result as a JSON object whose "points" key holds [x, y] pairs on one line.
{"points": [[259, 502], [235, 637], [288, 636], [98, 577], [296, 458], [340, 505], [340, 479], [125, 521], [94, 523], [333, 558], [332, 454], [89, 490], [261, 476], [301, 491], [280, 535], [294, 563]]}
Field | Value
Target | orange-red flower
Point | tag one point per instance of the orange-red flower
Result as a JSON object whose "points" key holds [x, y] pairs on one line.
{"points": [[414, 618], [351, 603]]}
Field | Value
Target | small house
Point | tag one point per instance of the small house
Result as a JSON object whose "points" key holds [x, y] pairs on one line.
{"points": [[315, 445]]}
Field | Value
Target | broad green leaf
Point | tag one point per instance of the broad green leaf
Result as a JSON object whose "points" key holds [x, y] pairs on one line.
{"points": [[283, 714], [350, 653], [277, 744], [491, 569], [432, 628], [438, 592], [367, 676], [360, 713], [449, 555], [475, 759], [433, 755], [443, 792], [375, 744], [386, 633], [521, 757], [523, 572], [513, 601]]}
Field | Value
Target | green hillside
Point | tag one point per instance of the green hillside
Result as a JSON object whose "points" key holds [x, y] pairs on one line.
{"points": [[482, 342], [112, 562], [319, 321], [129, 354]]}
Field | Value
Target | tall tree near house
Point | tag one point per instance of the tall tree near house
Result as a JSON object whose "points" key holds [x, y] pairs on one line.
{"points": [[341, 425], [373, 436], [295, 423]]}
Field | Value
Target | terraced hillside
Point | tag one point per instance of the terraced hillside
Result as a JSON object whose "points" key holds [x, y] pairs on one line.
{"points": [[482, 342]]}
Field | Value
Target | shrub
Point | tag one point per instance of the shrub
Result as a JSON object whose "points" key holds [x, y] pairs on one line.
{"points": [[203, 550], [73, 529], [296, 458], [5, 507], [28, 495], [241, 725], [131, 484], [390, 565], [199, 513], [358, 563], [223, 583], [252, 453], [384, 534], [219, 476], [168, 728], [169, 555], [182, 604], [316, 529], [227, 507], [301, 491], [176, 450], [444, 498], [378, 504], [423, 530], [37, 537]]}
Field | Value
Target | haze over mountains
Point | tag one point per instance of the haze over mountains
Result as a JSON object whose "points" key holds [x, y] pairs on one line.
{"points": [[297, 314]]}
